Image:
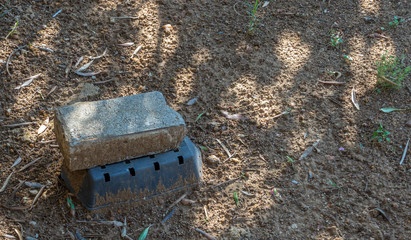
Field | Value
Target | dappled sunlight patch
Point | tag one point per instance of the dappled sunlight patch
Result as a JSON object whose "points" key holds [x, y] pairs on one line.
{"points": [[184, 84], [369, 6], [292, 52], [244, 96], [201, 56], [364, 54]]}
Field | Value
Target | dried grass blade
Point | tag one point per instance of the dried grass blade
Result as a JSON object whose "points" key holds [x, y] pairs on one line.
{"points": [[85, 66], [28, 82], [78, 61], [331, 82], [405, 152], [225, 148], [177, 201], [19, 124], [136, 51], [37, 196], [354, 99], [102, 55], [17, 162], [6, 182], [89, 74], [128, 44], [29, 164]]}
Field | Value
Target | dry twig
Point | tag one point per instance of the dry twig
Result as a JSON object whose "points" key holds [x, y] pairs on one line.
{"points": [[206, 235], [8, 59]]}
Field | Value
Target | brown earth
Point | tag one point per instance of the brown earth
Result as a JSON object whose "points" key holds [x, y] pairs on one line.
{"points": [[361, 192]]}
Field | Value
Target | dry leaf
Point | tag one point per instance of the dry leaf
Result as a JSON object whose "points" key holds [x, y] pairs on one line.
{"points": [[233, 116], [354, 100], [85, 66], [136, 51], [18, 160], [43, 126], [102, 55], [78, 61], [30, 79], [266, 3]]}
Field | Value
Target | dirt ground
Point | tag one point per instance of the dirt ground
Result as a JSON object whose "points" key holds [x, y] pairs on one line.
{"points": [[348, 187]]}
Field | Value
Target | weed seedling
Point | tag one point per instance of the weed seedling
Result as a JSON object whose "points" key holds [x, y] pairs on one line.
{"points": [[336, 38], [391, 71], [395, 22], [334, 185], [289, 160], [13, 29], [253, 18], [380, 134]]}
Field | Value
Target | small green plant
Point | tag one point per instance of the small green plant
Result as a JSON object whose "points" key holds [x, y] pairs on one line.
{"points": [[380, 134], [334, 184], [336, 38], [395, 22], [253, 18], [289, 160], [391, 71], [13, 29]]}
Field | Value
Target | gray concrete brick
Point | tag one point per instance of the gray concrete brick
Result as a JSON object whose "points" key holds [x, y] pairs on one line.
{"points": [[97, 133]]}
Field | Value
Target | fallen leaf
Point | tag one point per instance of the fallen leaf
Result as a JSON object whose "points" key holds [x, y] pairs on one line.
{"points": [[43, 126], [391, 109], [233, 116], [136, 51], [266, 3], [78, 61], [102, 55], [144, 234], [26, 83], [354, 100], [85, 66], [17, 162]]}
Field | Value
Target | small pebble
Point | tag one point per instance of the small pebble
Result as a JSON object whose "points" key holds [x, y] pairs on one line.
{"points": [[33, 192], [408, 124], [213, 159]]}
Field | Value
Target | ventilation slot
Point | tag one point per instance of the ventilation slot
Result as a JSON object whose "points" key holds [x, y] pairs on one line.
{"points": [[132, 171], [176, 150], [106, 177], [156, 166], [152, 156], [180, 160], [103, 167], [127, 161]]}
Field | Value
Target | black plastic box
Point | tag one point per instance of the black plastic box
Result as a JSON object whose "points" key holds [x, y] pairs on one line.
{"points": [[131, 180]]}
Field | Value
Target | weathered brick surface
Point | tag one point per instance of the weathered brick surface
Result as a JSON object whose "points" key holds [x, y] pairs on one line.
{"points": [[97, 133]]}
